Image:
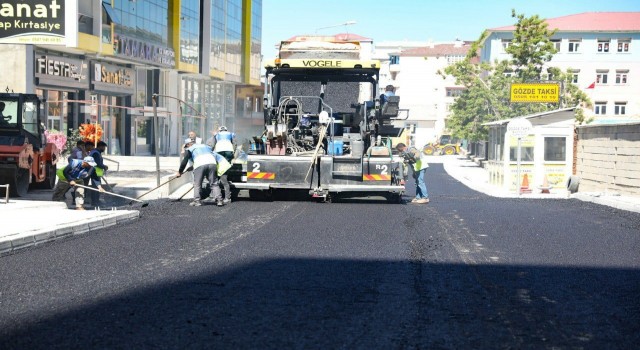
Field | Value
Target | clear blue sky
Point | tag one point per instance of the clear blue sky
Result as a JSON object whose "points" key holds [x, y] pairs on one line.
{"points": [[414, 20]]}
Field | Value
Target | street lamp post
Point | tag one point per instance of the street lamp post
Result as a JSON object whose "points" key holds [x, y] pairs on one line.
{"points": [[156, 137]]}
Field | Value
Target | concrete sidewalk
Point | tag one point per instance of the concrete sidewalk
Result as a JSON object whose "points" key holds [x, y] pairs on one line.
{"points": [[477, 178], [35, 219], [28, 223]]}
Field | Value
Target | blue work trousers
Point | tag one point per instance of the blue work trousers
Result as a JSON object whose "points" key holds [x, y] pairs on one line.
{"points": [[421, 187]]}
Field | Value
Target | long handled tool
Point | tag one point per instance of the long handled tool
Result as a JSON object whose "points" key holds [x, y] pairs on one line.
{"points": [[184, 194], [106, 182], [155, 188], [144, 204], [322, 133]]}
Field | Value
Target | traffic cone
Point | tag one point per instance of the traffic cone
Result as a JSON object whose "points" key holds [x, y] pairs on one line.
{"points": [[545, 185], [525, 184]]}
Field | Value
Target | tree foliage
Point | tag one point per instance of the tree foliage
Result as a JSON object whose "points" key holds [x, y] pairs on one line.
{"points": [[486, 97]]}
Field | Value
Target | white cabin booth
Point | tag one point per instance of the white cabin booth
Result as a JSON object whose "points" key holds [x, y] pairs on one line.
{"points": [[546, 150]]}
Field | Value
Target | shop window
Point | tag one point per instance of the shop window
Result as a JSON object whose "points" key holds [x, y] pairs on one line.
{"points": [[600, 108], [555, 149], [603, 45], [620, 108], [623, 45], [574, 45]]}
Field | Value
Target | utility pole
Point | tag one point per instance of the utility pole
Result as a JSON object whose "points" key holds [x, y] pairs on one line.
{"points": [[156, 137]]}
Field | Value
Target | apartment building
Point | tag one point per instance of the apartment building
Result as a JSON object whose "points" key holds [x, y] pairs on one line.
{"points": [[602, 50], [413, 71]]}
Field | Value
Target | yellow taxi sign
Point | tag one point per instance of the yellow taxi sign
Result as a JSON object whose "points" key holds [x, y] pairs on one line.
{"points": [[535, 92]]}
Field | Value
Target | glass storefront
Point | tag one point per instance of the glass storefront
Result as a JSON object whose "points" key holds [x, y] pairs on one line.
{"points": [[56, 107], [111, 117]]}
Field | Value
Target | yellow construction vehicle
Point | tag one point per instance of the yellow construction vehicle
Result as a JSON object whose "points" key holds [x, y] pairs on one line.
{"points": [[446, 144]]}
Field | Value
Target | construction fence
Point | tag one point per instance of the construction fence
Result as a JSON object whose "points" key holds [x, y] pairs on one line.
{"points": [[608, 158]]}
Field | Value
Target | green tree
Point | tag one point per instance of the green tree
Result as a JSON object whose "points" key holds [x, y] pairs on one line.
{"points": [[486, 97]]}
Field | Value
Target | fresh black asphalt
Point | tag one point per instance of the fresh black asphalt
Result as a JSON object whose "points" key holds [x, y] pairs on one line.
{"points": [[465, 271]]}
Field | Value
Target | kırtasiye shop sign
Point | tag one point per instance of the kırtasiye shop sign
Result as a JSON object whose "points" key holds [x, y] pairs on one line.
{"points": [[112, 79], [32, 22]]}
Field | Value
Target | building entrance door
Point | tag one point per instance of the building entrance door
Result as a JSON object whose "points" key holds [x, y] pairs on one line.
{"points": [[143, 136]]}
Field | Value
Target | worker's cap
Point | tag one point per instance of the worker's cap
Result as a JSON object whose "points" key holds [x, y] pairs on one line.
{"points": [[90, 160], [222, 128]]}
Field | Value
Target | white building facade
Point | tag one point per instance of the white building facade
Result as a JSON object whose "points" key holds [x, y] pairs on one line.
{"points": [[414, 72], [602, 49]]}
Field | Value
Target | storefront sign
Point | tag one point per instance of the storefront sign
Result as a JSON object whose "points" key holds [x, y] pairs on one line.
{"points": [[535, 92], [144, 52], [61, 71], [32, 22], [519, 127], [112, 79]]}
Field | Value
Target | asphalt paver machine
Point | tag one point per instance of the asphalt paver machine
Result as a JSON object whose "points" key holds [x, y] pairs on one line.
{"points": [[325, 132]]}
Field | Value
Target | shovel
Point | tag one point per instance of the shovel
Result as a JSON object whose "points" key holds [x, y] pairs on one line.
{"points": [[144, 204]]}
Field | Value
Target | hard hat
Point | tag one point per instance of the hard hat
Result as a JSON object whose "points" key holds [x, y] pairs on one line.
{"points": [[222, 128]]}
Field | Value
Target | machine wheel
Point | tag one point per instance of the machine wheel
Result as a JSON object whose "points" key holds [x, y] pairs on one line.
{"points": [[49, 181], [429, 150], [20, 184], [449, 150]]}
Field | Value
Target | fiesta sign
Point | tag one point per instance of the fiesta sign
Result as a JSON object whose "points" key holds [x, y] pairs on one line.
{"points": [[32, 22], [535, 92]]}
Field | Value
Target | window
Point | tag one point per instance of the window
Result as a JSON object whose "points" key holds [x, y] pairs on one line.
{"points": [[621, 77], [454, 92], [602, 76], [623, 45], [603, 45], [573, 74], [394, 59], [620, 108], [555, 149], [556, 44], [600, 108], [526, 154], [505, 43], [451, 59], [574, 45]]}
